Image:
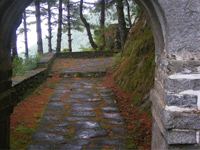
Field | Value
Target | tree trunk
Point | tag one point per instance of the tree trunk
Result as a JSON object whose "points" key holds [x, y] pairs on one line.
{"points": [[49, 27], [121, 22], [25, 35], [128, 13], [102, 22], [59, 34], [69, 27], [39, 31], [87, 26], [14, 45]]}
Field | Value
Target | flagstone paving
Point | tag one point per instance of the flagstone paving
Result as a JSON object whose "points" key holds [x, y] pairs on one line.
{"points": [[81, 114]]}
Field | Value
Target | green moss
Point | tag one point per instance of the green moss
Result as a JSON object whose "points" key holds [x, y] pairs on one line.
{"points": [[134, 73]]}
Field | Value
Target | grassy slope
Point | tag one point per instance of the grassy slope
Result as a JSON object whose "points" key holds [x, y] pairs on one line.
{"points": [[135, 71]]}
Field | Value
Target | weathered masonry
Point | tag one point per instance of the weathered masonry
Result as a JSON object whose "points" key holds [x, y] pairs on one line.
{"points": [[176, 95]]}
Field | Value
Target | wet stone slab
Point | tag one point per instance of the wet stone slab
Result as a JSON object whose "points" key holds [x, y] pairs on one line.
{"points": [[109, 142], [83, 114], [62, 124], [82, 108], [109, 100], [47, 137], [42, 146], [50, 119], [110, 109], [91, 99], [80, 96], [56, 130], [87, 124], [116, 122], [90, 133], [70, 101], [55, 106], [75, 119], [82, 105], [52, 112], [61, 91], [74, 144], [112, 116], [54, 99]]}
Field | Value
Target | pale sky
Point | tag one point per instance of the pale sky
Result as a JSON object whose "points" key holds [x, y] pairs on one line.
{"points": [[32, 35]]}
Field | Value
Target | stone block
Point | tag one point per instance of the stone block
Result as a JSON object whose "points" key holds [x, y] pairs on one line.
{"points": [[180, 85], [181, 137], [183, 100], [178, 120]]}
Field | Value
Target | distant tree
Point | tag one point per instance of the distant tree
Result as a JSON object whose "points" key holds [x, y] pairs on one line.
{"points": [[49, 37], [121, 22], [14, 45], [87, 26], [38, 26], [59, 34], [102, 22], [47, 12], [25, 33], [128, 13], [69, 26]]}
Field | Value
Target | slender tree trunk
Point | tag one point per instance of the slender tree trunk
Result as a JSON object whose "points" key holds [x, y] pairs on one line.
{"points": [[59, 34], [39, 31], [128, 13], [14, 45], [102, 22], [49, 27], [87, 26], [121, 22], [25, 35], [69, 27]]}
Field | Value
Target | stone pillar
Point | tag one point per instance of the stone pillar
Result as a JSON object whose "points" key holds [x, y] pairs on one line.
{"points": [[10, 18], [5, 96], [176, 94]]}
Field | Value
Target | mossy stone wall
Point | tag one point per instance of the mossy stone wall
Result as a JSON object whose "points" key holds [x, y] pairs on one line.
{"points": [[135, 71]]}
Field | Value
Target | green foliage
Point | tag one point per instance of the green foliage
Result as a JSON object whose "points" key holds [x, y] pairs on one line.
{"points": [[64, 50], [20, 65], [135, 72], [116, 61], [85, 49], [109, 33]]}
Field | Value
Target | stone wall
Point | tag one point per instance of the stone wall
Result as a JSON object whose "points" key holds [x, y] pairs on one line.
{"points": [[89, 54], [26, 83]]}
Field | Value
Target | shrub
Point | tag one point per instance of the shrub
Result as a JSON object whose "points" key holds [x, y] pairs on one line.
{"points": [[20, 65], [64, 50]]}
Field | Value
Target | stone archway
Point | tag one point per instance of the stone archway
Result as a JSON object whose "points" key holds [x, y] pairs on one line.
{"points": [[175, 26]]}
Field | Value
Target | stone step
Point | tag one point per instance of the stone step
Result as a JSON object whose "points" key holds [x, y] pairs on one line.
{"points": [[69, 74], [182, 82]]}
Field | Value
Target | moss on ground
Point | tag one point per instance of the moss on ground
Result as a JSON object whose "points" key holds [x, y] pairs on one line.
{"points": [[134, 73]]}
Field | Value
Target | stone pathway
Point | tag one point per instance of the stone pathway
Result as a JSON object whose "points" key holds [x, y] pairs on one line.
{"points": [[88, 68], [81, 114]]}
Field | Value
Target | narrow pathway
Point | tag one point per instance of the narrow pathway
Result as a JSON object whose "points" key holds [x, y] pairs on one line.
{"points": [[81, 114]]}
